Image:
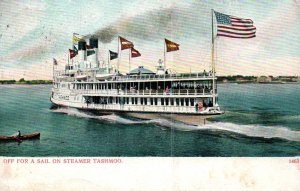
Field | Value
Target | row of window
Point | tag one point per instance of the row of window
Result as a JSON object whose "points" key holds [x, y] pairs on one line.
{"points": [[146, 101]]}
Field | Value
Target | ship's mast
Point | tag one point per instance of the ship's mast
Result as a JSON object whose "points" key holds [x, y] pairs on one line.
{"points": [[108, 62], [165, 67], [129, 57], [119, 54], [213, 56]]}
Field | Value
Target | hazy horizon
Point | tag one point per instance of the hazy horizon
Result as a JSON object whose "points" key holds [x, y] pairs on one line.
{"points": [[216, 76]]}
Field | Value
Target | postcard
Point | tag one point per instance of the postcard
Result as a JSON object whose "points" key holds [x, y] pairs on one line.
{"points": [[149, 95]]}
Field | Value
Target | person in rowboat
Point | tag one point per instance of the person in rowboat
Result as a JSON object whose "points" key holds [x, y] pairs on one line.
{"points": [[19, 134]]}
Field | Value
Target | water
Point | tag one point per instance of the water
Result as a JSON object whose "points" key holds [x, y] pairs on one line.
{"points": [[260, 120]]}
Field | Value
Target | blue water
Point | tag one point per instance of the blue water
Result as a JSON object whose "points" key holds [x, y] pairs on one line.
{"points": [[260, 120]]}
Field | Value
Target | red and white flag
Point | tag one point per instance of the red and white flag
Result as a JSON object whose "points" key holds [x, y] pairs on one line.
{"points": [[135, 53], [125, 44], [72, 53]]}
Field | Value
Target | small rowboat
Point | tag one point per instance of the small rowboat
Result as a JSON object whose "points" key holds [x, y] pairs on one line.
{"points": [[21, 138]]}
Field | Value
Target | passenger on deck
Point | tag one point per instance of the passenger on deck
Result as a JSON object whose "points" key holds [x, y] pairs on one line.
{"points": [[88, 101], [200, 106], [204, 104], [196, 107], [210, 104], [167, 90]]}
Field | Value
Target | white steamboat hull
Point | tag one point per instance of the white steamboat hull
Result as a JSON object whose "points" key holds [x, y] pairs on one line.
{"points": [[183, 118], [186, 117]]}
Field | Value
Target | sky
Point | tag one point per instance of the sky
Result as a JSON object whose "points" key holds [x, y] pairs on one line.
{"points": [[34, 32]]}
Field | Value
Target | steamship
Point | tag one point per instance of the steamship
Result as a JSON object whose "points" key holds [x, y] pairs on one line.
{"points": [[90, 85]]}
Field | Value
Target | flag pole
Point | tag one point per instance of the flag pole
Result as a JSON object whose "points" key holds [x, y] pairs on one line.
{"points": [[68, 63], [108, 61], [69, 58], [212, 56], [119, 55], [53, 70], [72, 49], [130, 52], [165, 56]]}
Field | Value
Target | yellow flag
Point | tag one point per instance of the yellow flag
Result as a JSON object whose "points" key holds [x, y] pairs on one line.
{"points": [[76, 38]]}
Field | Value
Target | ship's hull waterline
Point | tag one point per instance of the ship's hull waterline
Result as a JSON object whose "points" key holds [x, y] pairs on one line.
{"points": [[183, 118], [186, 118]]}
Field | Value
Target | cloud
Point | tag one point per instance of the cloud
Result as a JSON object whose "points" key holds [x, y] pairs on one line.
{"points": [[17, 20]]}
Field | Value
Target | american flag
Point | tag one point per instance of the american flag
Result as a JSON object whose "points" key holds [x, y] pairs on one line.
{"points": [[234, 27]]}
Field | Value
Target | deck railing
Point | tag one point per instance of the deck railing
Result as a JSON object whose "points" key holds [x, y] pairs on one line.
{"points": [[162, 77], [145, 92], [62, 76]]}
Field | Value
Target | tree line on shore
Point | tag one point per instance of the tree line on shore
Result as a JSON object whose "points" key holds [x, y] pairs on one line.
{"points": [[23, 81], [258, 79]]}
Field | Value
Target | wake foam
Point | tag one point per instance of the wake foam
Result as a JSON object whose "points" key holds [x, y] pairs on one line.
{"points": [[267, 132], [294, 118], [260, 131], [81, 114]]}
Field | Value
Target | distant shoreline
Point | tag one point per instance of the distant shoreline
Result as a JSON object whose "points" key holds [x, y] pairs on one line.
{"points": [[25, 82], [220, 82], [237, 82], [239, 79]]}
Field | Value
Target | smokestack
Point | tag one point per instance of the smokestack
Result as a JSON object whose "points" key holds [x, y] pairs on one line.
{"points": [[94, 58], [94, 42], [82, 51]]}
